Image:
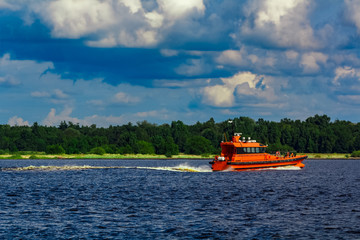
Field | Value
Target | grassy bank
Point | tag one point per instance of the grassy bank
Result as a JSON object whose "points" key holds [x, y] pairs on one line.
{"points": [[328, 155]]}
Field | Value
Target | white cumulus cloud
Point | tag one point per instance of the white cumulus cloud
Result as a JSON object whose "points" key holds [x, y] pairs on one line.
{"points": [[193, 67], [345, 72], [60, 94], [169, 52], [310, 61], [282, 23], [122, 97], [9, 81], [231, 57], [52, 119], [110, 23], [353, 8], [175, 9], [224, 95], [291, 54], [18, 121], [72, 18]]}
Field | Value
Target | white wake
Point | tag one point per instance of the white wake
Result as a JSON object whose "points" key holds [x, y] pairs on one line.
{"points": [[179, 168]]}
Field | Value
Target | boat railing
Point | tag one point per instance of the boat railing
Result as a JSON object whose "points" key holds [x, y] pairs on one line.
{"points": [[284, 153]]}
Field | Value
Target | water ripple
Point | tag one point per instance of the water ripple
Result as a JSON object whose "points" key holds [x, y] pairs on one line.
{"points": [[162, 200]]}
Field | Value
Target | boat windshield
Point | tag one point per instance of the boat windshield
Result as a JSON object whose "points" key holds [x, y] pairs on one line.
{"points": [[242, 150]]}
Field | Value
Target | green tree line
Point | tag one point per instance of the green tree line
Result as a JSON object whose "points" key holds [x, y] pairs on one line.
{"points": [[317, 134]]}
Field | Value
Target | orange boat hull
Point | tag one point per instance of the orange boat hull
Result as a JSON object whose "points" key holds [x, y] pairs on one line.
{"points": [[252, 165]]}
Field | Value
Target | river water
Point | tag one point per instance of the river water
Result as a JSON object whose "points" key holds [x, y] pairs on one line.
{"points": [[177, 199]]}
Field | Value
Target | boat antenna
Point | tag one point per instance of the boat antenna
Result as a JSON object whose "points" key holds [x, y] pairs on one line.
{"points": [[225, 137], [232, 123]]}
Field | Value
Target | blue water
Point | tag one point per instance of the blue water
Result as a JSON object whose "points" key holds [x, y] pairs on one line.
{"points": [[161, 200]]}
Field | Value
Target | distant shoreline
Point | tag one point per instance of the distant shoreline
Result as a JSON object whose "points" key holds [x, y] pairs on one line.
{"points": [[328, 156], [311, 156]]}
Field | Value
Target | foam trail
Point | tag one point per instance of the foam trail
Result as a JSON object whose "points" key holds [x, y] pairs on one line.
{"points": [[285, 168], [179, 168], [54, 168]]}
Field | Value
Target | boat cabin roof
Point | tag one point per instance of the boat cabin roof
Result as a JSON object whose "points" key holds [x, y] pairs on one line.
{"points": [[243, 144], [238, 142]]}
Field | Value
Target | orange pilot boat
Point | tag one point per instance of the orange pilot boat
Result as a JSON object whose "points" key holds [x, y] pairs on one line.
{"points": [[240, 154]]}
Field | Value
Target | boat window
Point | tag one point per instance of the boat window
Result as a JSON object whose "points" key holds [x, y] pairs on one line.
{"points": [[239, 150]]}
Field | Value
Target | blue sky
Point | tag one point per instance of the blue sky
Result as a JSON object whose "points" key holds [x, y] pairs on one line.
{"points": [[110, 62]]}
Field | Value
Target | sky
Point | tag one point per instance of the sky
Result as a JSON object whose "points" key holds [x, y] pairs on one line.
{"points": [[111, 62]]}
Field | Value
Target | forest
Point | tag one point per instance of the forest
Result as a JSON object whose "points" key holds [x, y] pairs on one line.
{"points": [[317, 134]]}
